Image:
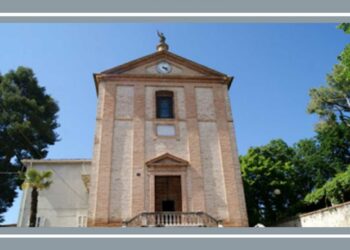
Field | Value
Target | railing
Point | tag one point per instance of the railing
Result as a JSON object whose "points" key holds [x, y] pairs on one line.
{"points": [[172, 219]]}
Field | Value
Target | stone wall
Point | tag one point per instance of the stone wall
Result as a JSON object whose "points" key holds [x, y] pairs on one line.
{"points": [[336, 216]]}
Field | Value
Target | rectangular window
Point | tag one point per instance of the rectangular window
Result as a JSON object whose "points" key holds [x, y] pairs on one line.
{"points": [[164, 103]]}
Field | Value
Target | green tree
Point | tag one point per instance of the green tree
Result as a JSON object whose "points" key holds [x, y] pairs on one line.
{"points": [[269, 182], [36, 180], [309, 175], [334, 140], [310, 166], [331, 184], [28, 118], [319, 159], [345, 27], [293, 171], [334, 191], [332, 102]]}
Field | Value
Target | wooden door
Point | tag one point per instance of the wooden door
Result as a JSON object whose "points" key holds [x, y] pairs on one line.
{"points": [[168, 196]]}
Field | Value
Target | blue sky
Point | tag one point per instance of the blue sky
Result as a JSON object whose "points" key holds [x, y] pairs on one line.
{"points": [[274, 66]]}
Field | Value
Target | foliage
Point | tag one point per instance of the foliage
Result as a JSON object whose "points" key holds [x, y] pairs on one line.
{"points": [[8, 185], [309, 165], [345, 27], [318, 159], [268, 177], [311, 168], [332, 102], [296, 171], [33, 178], [37, 180], [310, 174], [334, 140], [28, 118], [335, 191]]}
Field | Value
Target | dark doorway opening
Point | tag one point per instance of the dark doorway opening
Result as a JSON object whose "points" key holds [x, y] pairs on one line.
{"points": [[168, 205]]}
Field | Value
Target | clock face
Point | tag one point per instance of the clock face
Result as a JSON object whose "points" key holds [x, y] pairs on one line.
{"points": [[164, 68]]}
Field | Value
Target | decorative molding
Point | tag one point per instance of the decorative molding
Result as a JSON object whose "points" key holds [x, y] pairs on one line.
{"points": [[163, 55], [120, 72], [167, 160]]}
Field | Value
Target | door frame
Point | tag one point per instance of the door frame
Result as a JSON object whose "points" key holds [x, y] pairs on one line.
{"points": [[175, 202], [165, 171]]}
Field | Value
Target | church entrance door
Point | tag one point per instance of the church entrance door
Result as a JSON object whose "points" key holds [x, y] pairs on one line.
{"points": [[168, 194]]}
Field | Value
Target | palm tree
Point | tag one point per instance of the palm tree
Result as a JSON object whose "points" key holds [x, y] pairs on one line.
{"points": [[37, 180]]}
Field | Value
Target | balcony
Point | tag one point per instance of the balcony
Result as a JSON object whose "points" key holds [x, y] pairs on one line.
{"points": [[173, 219]]}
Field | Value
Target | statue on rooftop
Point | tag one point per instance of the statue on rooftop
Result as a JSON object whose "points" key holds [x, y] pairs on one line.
{"points": [[161, 37], [162, 44]]}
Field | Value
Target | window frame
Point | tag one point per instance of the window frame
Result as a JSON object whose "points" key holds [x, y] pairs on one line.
{"points": [[167, 94]]}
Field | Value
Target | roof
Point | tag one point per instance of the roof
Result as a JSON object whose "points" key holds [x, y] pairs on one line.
{"points": [[55, 161], [204, 73], [162, 55]]}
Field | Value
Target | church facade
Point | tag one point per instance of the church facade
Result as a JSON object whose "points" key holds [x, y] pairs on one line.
{"points": [[164, 154]]}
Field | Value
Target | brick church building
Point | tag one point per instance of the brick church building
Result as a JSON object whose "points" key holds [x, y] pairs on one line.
{"points": [[164, 152]]}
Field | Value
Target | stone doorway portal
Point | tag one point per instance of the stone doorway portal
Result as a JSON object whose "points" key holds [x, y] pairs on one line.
{"points": [[168, 196]]}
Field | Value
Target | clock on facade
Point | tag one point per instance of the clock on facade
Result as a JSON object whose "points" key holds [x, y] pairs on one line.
{"points": [[164, 68]]}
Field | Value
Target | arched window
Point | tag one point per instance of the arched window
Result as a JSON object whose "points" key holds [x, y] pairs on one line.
{"points": [[165, 104]]}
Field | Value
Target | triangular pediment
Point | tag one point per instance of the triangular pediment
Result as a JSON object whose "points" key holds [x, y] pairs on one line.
{"points": [[167, 160], [148, 65]]}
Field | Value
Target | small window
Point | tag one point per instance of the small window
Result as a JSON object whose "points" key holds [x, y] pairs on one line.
{"points": [[165, 104]]}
